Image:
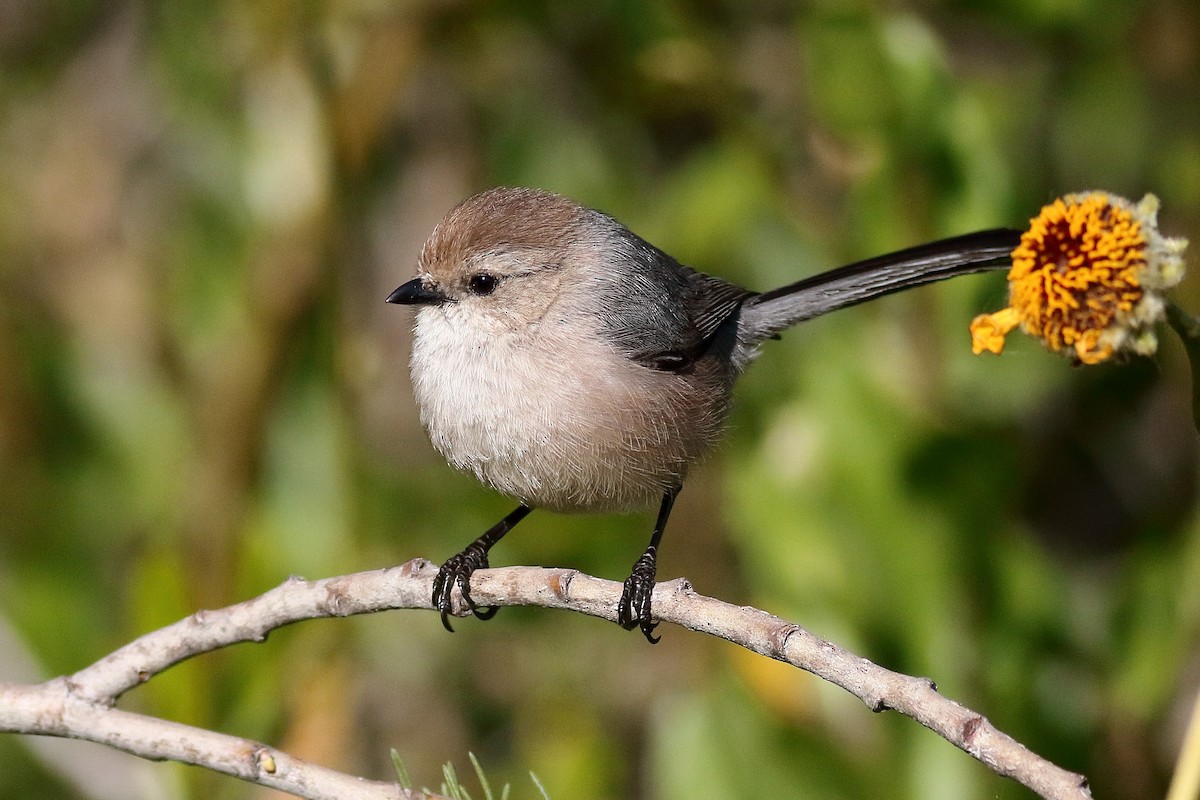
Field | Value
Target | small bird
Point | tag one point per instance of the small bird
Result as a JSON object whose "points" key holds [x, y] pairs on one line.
{"points": [[574, 366]]}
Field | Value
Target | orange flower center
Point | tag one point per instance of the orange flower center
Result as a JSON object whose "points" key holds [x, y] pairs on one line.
{"points": [[1075, 270]]}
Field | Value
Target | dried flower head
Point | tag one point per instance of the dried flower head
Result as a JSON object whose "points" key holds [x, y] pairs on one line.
{"points": [[1087, 279]]}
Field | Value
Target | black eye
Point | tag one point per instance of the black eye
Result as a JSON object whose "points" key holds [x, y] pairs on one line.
{"points": [[482, 283]]}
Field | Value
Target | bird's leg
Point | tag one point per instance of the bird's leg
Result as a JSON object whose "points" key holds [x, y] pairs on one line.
{"points": [[458, 569], [634, 608]]}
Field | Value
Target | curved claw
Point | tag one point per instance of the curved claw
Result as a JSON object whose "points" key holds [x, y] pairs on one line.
{"points": [[484, 612], [634, 607], [442, 596], [457, 571], [633, 610], [464, 585], [443, 582]]}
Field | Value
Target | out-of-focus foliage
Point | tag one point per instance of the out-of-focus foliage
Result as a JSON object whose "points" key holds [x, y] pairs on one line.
{"points": [[203, 205]]}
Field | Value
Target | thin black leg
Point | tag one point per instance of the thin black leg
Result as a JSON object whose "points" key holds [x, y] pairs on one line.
{"points": [[458, 569], [634, 608]]}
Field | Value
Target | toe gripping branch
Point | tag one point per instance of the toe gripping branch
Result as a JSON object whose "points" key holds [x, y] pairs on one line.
{"points": [[458, 569], [634, 610]]}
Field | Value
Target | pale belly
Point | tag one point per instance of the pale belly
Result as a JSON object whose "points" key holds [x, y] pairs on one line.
{"points": [[528, 418]]}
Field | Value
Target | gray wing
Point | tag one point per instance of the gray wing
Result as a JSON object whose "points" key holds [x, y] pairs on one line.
{"points": [[665, 315]]}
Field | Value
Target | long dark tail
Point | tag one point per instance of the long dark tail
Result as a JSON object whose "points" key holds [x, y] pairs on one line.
{"points": [[770, 313]]}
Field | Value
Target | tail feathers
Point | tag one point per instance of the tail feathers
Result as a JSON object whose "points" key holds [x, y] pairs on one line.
{"points": [[770, 313]]}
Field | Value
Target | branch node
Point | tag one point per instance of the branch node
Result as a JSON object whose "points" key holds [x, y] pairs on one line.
{"points": [[414, 567], [678, 586], [264, 760], [560, 583], [52, 717], [337, 601], [970, 728], [779, 639]]}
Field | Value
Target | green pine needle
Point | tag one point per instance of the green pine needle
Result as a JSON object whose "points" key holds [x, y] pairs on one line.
{"points": [[483, 781], [402, 776], [538, 784]]}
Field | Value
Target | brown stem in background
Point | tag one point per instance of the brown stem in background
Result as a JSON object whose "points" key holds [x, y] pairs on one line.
{"points": [[1188, 328]]}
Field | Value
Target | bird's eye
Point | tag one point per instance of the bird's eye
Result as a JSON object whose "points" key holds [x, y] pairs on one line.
{"points": [[482, 283]]}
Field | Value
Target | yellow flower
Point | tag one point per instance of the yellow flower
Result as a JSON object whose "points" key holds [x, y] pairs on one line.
{"points": [[1087, 279]]}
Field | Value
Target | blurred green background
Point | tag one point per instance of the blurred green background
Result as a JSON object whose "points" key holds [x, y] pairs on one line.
{"points": [[203, 205]]}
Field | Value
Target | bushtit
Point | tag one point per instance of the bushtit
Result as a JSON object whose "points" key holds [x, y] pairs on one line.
{"points": [[572, 365]]}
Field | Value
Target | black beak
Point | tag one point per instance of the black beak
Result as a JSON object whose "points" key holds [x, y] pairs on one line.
{"points": [[415, 293]]}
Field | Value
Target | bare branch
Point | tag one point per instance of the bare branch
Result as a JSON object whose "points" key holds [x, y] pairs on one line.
{"points": [[80, 706], [53, 709], [881, 689]]}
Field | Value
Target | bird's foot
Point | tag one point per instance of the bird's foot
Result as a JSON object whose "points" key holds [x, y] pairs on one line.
{"points": [[457, 571], [633, 610]]}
